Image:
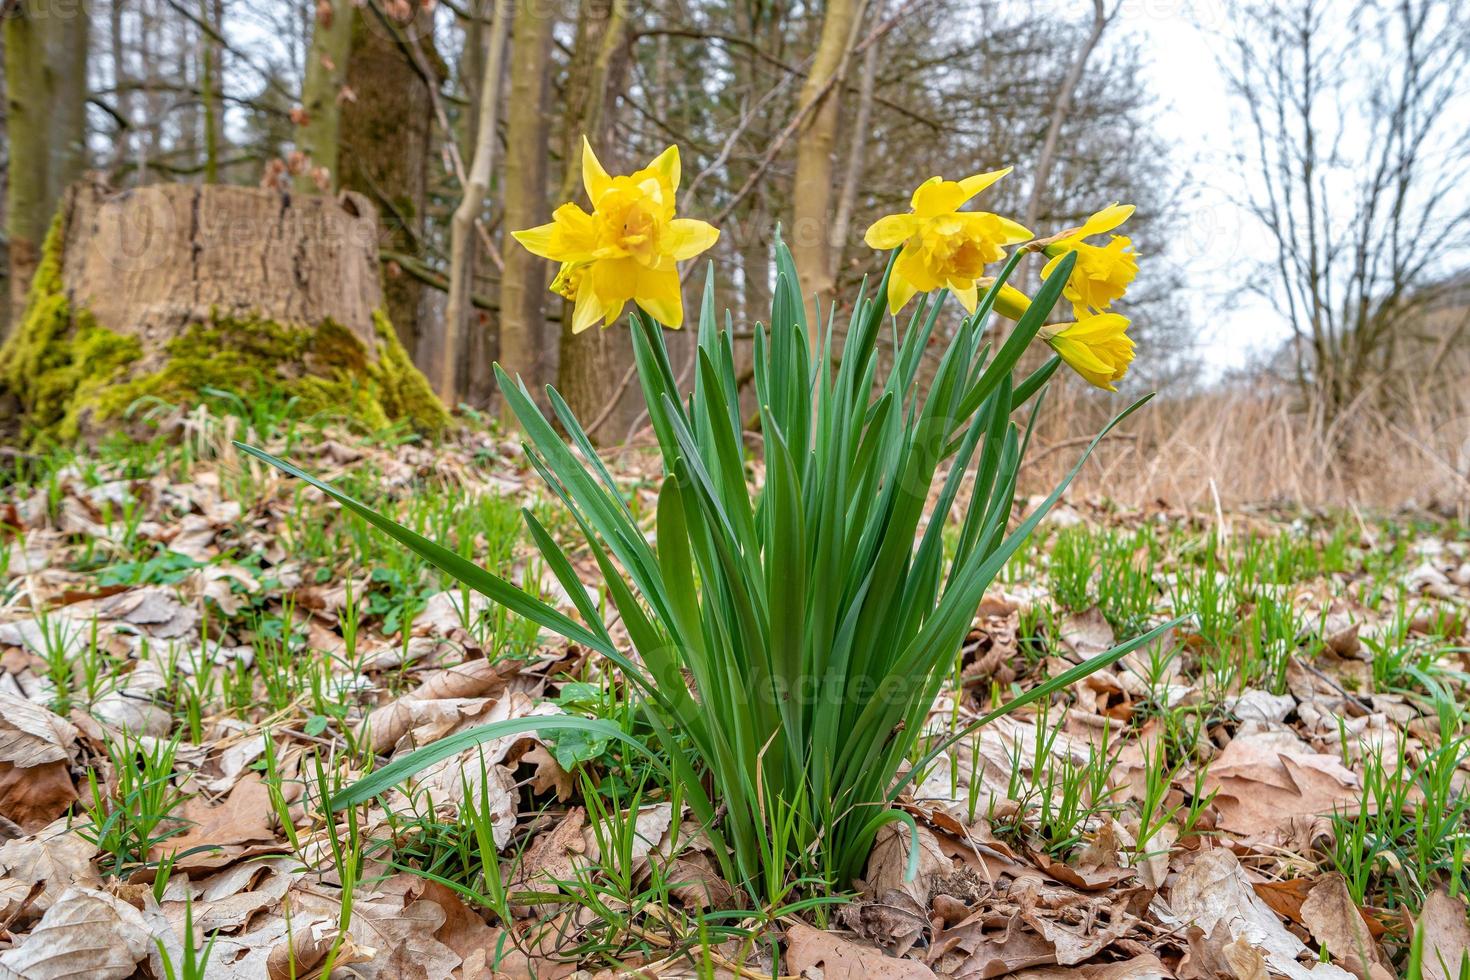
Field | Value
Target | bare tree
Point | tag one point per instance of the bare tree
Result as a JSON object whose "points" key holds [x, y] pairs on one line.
{"points": [[461, 245], [1360, 168], [321, 91], [46, 93], [817, 139], [524, 347]]}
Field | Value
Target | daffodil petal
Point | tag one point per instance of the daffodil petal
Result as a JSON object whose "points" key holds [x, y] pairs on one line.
{"points": [[911, 267], [1092, 368], [968, 296], [594, 178], [900, 291], [1050, 266], [974, 185], [587, 310], [666, 164], [1101, 326], [1107, 219], [540, 240], [937, 196], [614, 280], [687, 237], [657, 292], [1012, 232], [1096, 347], [891, 231]]}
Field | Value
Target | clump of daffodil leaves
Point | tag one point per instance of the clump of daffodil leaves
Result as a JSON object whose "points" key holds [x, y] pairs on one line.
{"points": [[787, 638]]}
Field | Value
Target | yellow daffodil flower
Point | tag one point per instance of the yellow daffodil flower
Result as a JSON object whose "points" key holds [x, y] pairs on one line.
{"points": [[1103, 272], [942, 246], [1010, 302], [626, 248], [1097, 347]]}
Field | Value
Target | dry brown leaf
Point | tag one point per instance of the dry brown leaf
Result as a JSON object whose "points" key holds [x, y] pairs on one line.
{"points": [[233, 899], [1269, 783], [893, 920], [36, 749], [56, 856], [471, 679], [1446, 926], [219, 834], [131, 707], [810, 950], [86, 933], [981, 947], [155, 610], [554, 855], [1213, 892], [34, 797], [1053, 913], [464, 930], [1143, 967], [649, 829], [1086, 879], [1244, 960], [1087, 634], [1336, 923], [250, 956], [549, 773], [1285, 898], [445, 612], [889, 860], [301, 951], [31, 736], [401, 931]]}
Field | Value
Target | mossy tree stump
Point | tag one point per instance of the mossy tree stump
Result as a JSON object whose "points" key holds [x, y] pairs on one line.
{"points": [[168, 289]]}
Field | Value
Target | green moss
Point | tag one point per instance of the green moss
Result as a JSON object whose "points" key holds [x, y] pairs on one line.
{"points": [[68, 372], [53, 359], [405, 391], [326, 369]]}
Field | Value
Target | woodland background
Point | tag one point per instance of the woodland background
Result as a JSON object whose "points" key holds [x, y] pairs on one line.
{"points": [[820, 117]]}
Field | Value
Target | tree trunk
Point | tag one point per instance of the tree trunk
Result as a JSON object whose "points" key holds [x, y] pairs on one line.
{"points": [[384, 150], [852, 177], [1059, 111], [211, 13], [812, 186], [326, 73], [594, 361], [46, 91], [161, 291], [67, 40], [461, 238], [524, 336]]}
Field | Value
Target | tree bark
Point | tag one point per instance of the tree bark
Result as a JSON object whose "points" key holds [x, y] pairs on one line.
{"points": [[461, 245], [1066, 92], [852, 176], [46, 91], [164, 290], [384, 146], [812, 185], [525, 349], [593, 361], [326, 73], [212, 13]]}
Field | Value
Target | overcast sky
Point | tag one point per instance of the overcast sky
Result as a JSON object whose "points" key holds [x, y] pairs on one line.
{"points": [[1181, 40]]}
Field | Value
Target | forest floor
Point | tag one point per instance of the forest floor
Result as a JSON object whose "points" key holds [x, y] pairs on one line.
{"points": [[196, 652]]}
